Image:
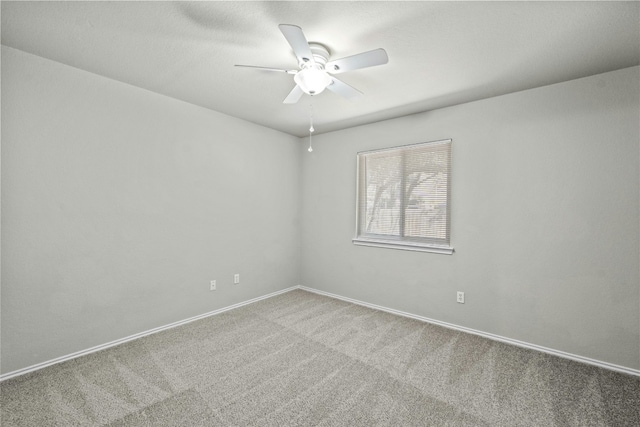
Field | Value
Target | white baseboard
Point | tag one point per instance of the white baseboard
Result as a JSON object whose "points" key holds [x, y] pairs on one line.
{"points": [[494, 337], [136, 336], [490, 336]]}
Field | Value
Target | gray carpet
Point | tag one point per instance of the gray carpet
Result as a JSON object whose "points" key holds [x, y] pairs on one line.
{"points": [[302, 359]]}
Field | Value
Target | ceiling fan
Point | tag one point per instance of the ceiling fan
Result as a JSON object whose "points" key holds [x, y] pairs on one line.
{"points": [[316, 72]]}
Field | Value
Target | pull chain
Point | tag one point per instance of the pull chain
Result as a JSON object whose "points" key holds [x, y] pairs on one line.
{"points": [[311, 129]]}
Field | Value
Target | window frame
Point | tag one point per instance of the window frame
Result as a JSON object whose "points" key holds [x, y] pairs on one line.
{"points": [[441, 246]]}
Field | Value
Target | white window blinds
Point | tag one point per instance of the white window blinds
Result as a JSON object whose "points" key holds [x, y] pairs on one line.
{"points": [[404, 197]]}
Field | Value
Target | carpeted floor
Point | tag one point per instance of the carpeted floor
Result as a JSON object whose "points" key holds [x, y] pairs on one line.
{"points": [[302, 359]]}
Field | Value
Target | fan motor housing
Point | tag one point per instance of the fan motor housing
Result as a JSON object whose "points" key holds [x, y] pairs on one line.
{"points": [[320, 54]]}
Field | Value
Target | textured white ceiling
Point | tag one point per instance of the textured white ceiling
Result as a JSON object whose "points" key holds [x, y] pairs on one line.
{"points": [[440, 53]]}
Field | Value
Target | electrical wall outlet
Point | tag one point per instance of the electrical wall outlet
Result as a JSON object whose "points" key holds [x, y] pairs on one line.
{"points": [[236, 278], [212, 285], [460, 297]]}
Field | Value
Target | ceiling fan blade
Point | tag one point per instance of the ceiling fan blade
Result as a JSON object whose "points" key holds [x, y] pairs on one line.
{"points": [[343, 89], [360, 60], [298, 42], [268, 69], [294, 96]]}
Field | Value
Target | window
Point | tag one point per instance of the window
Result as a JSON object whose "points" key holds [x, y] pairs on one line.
{"points": [[404, 197]]}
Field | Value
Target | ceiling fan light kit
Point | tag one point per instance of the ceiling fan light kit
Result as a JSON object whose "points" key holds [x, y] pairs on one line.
{"points": [[312, 77], [312, 80]]}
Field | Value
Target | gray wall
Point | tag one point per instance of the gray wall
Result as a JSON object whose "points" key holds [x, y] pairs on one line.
{"points": [[119, 205], [545, 218]]}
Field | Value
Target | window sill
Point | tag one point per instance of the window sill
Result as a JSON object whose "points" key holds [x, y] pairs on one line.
{"points": [[405, 246]]}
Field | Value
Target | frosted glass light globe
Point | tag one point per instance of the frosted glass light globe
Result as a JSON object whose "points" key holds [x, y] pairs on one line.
{"points": [[312, 81]]}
